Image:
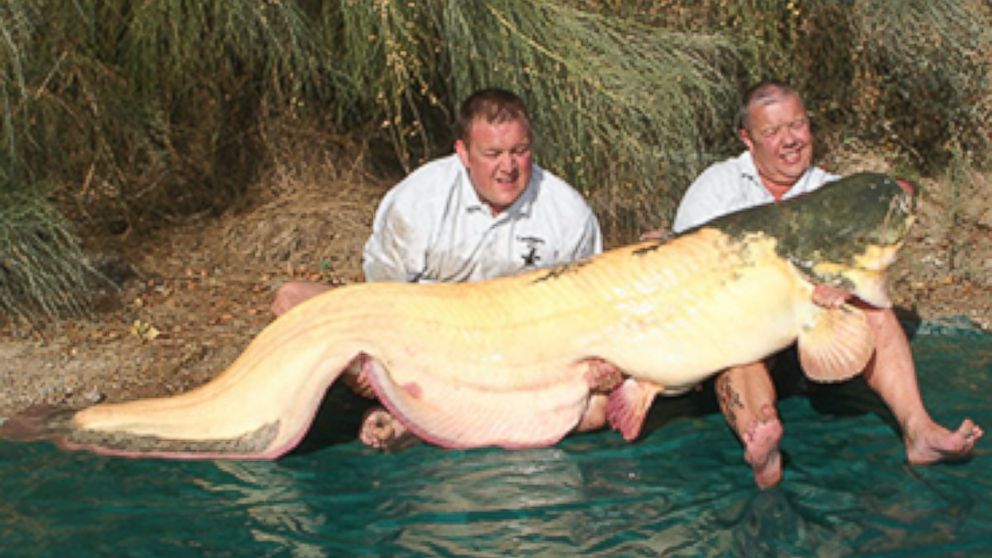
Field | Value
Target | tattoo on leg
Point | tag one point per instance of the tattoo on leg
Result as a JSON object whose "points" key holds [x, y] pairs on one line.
{"points": [[729, 400]]}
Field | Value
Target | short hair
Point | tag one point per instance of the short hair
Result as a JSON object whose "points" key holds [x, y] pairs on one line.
{"points": [[764, 93], [492, 104]]}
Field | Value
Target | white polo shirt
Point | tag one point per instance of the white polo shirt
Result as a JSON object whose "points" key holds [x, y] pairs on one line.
{"points": [[733, 185], [432, 226]]}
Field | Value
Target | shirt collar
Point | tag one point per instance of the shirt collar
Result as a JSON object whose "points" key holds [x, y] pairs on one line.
{"points": [[520, 207], [750, 173]]}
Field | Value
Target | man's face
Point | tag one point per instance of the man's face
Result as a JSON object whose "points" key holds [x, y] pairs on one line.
{"points": [[780, 141], [498, 159]]}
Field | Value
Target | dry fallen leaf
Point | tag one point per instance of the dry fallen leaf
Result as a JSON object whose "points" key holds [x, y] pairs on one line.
{"points": [[144, 330]]}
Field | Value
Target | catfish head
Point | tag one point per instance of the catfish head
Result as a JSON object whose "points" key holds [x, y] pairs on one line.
{"points": [[845, 234]]}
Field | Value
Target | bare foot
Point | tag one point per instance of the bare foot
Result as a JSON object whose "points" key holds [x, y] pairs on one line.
{"points": [[595, 415], [761, 447], [934, 443], [382, 430]]}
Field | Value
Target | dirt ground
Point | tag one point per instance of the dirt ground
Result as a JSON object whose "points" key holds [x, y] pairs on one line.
{"points": [[192, 297]]}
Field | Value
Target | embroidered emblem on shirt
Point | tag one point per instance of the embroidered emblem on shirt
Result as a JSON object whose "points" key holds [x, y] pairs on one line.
{"points": [[530, 256]]}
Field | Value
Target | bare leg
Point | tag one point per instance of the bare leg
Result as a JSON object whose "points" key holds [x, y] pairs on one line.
{"points": [[291, 293], [747, 398], [595, 416], [356, 378], [603, 377], [892, 374], [379, 428]]}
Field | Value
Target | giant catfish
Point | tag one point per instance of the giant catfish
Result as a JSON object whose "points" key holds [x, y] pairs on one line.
{"points": [[506, 362]]}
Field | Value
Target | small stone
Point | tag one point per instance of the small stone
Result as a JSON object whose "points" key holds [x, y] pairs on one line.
{"points": [[93, 396]]}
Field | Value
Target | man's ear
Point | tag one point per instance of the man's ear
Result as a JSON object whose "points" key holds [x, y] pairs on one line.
{"points": [[462, 150], [746, 138]]}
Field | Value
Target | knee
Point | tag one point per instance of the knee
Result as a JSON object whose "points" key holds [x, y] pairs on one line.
{"points": [[755, 371], [280, 302], [883, 320], [290, 294]]}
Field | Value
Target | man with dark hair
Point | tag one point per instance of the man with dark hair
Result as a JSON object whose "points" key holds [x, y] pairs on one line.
{"points": [[486, 211], [774, 125]]}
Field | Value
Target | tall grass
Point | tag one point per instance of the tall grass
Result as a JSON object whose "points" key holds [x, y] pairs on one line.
{"points": [[622, 110], [393, 53], [42, 268], [912, 76]]}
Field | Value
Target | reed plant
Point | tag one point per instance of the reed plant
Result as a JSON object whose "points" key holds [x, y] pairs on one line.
{"points": [[913, 77]]}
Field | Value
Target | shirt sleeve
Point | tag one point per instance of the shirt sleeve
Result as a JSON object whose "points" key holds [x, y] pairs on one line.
{"points": [[590, 242], [699, 204], [396, 250]]}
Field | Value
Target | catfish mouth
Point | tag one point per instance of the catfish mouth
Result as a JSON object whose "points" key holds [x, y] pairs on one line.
{"points": [[898, 220], [863, 275], [865, 278], [877, 258]]}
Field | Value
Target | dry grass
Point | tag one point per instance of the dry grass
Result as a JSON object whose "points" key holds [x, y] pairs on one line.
{"points": [[306, 207]]}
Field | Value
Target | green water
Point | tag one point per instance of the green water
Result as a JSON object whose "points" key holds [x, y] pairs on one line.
{"points": [[682, 490]]}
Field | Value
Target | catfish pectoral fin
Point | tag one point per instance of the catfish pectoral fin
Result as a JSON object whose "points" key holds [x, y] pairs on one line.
{"points": [[629, 405], [836, 344]]}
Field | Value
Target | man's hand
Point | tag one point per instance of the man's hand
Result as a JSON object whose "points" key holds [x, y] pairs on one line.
{"points": [[657, 234], [906, 185], [829, 296], [356, 378]]}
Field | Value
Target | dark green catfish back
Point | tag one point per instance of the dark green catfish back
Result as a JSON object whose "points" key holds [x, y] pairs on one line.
{"points": [[835, 223]]}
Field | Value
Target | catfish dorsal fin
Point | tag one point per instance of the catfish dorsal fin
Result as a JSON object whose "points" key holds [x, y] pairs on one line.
{"points": [[835, 344]]}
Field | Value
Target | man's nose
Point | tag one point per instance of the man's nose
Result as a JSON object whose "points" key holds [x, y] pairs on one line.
{"points": [[508, 161], [790, 137]]}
